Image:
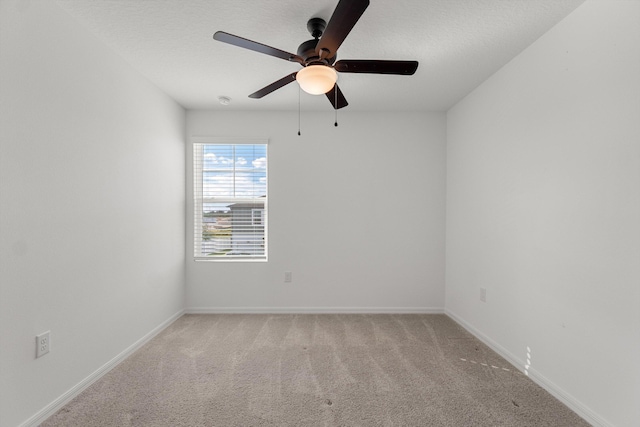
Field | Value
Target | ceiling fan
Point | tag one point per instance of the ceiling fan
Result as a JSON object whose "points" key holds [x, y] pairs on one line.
{"points": [[318, 56]]}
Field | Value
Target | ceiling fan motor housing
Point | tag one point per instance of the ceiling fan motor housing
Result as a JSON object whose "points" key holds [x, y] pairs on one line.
{"points": [[307, 50]]}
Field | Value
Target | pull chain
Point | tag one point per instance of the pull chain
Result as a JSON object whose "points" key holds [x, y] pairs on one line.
{"points": [[335, 91], [299, 110]]}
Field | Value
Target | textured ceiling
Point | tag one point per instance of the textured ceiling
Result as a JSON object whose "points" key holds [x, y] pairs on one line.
{"points": [[459, 44]]}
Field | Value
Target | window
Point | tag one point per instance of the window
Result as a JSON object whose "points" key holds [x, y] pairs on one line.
{"points": [[258, 216], [230, 200]]}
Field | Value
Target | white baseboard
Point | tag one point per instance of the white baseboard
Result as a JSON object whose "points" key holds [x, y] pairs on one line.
{"points": [[557, 392], [57, 404], [315, 310]]}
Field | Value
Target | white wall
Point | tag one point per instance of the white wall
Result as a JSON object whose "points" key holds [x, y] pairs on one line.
{"points": [[543, 210], [91, 205], [356, 213]]}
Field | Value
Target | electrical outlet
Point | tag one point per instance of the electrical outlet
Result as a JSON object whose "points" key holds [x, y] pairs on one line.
{"points": [[43, 344], [287, 277], [483, 295]]}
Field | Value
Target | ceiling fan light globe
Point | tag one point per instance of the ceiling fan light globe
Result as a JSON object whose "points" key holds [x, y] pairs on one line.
{"points": [[317, 79]]}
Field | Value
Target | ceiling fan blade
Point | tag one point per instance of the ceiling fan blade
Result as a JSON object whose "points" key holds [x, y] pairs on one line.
{"points": [[344, 17], [274, 86], [405, 68], [221, 36], [340, 101]]}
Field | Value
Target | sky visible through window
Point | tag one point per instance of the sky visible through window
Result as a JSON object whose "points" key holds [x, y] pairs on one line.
{"points": [[233, 171]]}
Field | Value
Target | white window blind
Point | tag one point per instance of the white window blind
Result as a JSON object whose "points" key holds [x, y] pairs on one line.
{"points": [[230, 200]]}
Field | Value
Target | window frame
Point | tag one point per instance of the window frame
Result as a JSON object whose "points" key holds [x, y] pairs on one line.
{"points": [[199, 200]]}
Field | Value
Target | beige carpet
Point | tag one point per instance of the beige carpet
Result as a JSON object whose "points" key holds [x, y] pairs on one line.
{"points": [[314, 370]]}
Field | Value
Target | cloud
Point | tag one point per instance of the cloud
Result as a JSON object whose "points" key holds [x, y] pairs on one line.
{"points": [[260, 163], [223, 185], [213, 159]]}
